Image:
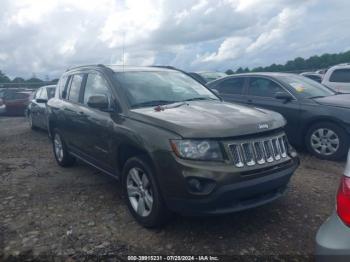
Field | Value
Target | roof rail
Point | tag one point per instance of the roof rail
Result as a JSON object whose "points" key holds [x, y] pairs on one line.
{"points": [[82, 66]]}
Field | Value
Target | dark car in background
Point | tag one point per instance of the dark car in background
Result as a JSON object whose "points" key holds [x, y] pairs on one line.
{"points": [[198, 77], [314, 76], [36, 111], [170, 140], [14, 101], [333, 237], [316, 116], [209, 76]]}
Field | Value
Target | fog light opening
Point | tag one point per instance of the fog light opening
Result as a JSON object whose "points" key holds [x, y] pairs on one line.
{"points": [[198, 185]]}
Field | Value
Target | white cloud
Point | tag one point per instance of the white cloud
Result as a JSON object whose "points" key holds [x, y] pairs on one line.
{"points": [[229, 49], [47, 36]]}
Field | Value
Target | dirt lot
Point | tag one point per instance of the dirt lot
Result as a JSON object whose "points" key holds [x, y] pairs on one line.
{"points": [[49, 210]]}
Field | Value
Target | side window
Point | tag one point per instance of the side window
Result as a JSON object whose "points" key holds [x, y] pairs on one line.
{"points": [[43, 94], [263, 87], [340, 76], [96, 85], [37, 93], [50, 92], [74, 90], [232, 86], [61, 86], [20, 96]]}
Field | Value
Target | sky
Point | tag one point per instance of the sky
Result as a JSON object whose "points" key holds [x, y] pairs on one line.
{"points": [[45, 37]]}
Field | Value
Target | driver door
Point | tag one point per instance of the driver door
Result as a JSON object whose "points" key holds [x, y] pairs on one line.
{"points": [[261, 93]]}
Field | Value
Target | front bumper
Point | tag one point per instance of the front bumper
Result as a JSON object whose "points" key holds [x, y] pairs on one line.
{"points": [[333, 241], [234, 191]]}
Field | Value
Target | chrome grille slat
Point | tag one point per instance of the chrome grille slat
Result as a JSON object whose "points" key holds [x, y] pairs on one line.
{"points": [[259, 151]]}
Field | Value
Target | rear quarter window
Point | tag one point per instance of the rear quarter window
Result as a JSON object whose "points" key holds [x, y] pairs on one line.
{"points": [[340, 76], [75, 86], [61, 86]]}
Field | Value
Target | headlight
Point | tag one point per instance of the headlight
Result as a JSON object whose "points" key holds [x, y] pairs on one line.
{"points": [[197, 149]]}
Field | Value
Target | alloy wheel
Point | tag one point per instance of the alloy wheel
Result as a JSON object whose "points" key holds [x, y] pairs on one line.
{"points": [[325, 141], [30, 120], [58, 147], [139, 191]]}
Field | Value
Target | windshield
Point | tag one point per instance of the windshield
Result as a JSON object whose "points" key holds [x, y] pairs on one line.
{"points": [[305, 87], [151, 88]]}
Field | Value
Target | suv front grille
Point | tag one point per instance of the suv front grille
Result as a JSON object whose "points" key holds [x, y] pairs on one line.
{"points": [[266, 150]]}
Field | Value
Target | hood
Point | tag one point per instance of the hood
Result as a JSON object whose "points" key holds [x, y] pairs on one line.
{"points": [[210, 119], [340, 100]]}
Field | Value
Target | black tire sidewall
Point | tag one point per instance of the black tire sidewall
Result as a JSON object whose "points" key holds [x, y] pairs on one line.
{"points": [[159, 212], [343, 143], [30, 120], [67, 159]]}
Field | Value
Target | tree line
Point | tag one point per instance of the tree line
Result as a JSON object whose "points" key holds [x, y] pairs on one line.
{"points": [[33, 82], [300, 64]]}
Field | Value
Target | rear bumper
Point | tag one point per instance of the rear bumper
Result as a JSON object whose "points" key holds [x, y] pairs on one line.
{"points": [[237, 196], [333, 241]]}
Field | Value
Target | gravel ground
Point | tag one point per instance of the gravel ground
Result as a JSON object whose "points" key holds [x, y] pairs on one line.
{"points": [[69, 213]]}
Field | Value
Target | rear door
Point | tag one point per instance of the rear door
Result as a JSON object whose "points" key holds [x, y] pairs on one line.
{"points": [[74, 132], [231, 89], [34, 108], [41, 108], [261, 93]]}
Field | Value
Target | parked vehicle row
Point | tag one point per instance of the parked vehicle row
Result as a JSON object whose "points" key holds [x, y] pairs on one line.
{"points": [[174, 145], [316, 116]]}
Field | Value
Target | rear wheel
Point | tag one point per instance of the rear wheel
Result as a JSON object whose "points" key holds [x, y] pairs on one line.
{"points": [[327, 141], [62, 156], [30, 121], [141, 193]]}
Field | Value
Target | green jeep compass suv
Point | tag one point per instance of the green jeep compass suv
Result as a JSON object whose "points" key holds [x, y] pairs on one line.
{"points": [[173, 144]]}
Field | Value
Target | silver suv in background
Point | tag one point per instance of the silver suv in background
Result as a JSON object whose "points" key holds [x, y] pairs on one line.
{"points": [[338, 78], [333, 237]]}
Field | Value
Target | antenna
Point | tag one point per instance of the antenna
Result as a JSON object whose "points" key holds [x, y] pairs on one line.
{"points": [[123, 58]]}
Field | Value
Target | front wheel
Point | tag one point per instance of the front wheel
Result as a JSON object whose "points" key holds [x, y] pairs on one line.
{"points": [[142, 195], [60, 151], [327, 141]]}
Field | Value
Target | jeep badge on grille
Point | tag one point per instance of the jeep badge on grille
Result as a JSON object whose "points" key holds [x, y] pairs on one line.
{"points": [[263, 126]]}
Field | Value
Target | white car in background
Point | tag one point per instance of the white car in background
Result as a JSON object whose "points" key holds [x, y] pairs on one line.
{"points": [[338, 78]]}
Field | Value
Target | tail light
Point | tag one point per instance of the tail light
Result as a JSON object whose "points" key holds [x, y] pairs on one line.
{"points": [[343, 200]]}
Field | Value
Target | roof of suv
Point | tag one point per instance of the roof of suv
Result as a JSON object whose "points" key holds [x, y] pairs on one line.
{"points": [[123, 68]]}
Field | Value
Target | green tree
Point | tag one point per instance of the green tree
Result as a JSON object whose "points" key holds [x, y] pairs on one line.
{"points": [[229, 72], [4, 78]]}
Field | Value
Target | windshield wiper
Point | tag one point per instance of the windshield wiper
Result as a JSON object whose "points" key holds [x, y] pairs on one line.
{"points": [[312, 97], [200, 98], [154, 103]]}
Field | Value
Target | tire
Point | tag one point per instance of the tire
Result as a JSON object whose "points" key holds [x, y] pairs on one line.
{"points": [[30, 121], [327, 140], [62, 156], [155, 214]]}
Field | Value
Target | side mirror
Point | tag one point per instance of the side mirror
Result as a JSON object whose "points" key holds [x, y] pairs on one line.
{"points": [[98, 102], [41, 100], [284, 96]]}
